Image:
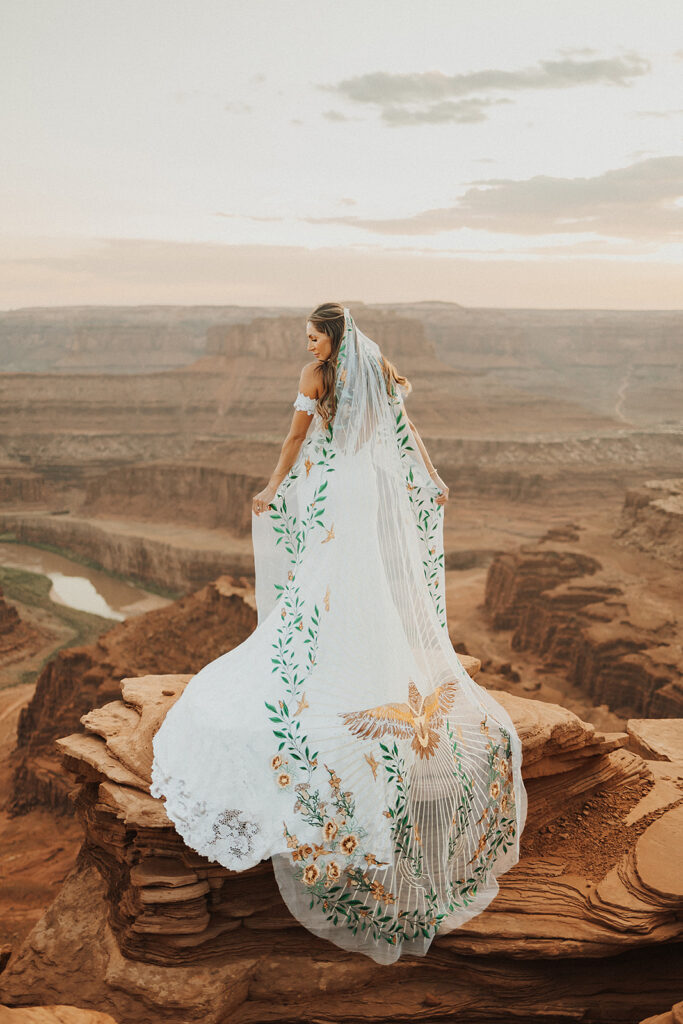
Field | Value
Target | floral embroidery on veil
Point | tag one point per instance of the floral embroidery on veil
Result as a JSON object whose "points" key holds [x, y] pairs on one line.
{"points": [[344, 738]]}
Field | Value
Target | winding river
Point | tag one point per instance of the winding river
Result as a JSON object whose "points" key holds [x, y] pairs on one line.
{"points": [[78, 586]]}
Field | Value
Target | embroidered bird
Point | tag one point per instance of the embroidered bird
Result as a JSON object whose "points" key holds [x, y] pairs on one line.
{"points": [[308, 464], [373, 764], [303, 703], [327, 600], [371, 859], [330, 535], [420, 718]]}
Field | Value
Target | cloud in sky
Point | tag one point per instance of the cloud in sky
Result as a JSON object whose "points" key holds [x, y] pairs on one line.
{"points": [[658, 113], [435, 94], [635, 202], [160, 150]]}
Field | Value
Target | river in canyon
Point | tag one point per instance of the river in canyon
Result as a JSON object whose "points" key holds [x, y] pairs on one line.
{"points": [[79, 586]]}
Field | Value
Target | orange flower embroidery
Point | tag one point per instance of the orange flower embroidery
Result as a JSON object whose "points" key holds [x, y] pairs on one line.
{"points": [[311, 874], [371, 859], [330, 829], [349, 844], [376, 890], [333, 871]]}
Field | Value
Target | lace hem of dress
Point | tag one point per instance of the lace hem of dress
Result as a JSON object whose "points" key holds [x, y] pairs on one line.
{"points": [[227, 837], [305, 403]]}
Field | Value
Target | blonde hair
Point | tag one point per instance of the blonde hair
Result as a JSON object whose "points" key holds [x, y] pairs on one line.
{"points": [[329, 318], [392, 376]]}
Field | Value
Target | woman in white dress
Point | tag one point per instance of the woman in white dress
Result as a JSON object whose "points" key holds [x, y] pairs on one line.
{"points": [[344, 739]]}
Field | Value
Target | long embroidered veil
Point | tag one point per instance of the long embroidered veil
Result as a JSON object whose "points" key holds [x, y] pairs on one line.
{"points": [[401, 775], [343, 738]]}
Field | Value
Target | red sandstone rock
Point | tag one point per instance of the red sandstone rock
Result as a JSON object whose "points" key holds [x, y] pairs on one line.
{"points": [[181, 637], [189, 940], [659, 739], [17, 638], [652, 520], [53, 1015], [591, 624]]}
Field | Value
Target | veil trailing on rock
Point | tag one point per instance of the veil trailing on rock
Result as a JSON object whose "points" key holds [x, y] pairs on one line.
{"points": [[344, 738]]}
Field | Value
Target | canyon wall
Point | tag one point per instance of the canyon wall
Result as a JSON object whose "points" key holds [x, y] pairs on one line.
{"points": [[194, 494], [181, 637], [145, 558], [652, 520], [108, 339], [591, 625], [491, 397]]}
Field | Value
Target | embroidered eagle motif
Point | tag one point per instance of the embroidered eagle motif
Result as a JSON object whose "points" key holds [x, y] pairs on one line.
{"points": [[419, 717]]}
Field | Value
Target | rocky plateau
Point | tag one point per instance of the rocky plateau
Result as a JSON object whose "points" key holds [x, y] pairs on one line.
{"points": [[587, 926]]}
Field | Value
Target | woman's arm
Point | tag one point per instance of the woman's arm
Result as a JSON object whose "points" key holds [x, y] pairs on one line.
{"points": [[290, 447], [292, 443], [442, 499]]}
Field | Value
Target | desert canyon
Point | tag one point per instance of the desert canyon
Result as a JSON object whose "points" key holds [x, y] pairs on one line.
{"points": [[131, 442]]}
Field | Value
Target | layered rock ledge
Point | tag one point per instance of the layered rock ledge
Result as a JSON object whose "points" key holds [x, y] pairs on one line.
{"points": [[181, 637], [146, 929], [619, 645], [652, 520]]}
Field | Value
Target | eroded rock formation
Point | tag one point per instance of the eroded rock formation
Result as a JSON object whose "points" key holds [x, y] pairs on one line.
{"points": [[591, 623], [17, 638], [165, 557], [148, 930], [652, 520], [180, 637]]}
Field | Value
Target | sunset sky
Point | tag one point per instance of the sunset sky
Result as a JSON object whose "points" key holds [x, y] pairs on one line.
{"points": [[290, 153]]}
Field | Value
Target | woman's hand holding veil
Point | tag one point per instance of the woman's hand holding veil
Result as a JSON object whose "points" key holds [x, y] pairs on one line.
{"points": [[442, 498], [261, 501]]}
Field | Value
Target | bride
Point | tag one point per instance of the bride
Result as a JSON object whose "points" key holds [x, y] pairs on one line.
{"points": [[344, 739]]}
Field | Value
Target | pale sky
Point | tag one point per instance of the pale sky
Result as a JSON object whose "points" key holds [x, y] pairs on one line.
{"points": [[525, 154]]}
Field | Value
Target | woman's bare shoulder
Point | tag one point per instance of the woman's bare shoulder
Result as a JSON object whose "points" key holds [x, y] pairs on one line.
{"points": [[309, 380]]}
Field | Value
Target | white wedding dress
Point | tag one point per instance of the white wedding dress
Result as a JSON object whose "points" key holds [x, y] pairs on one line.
{"points": [[344, 739]]}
